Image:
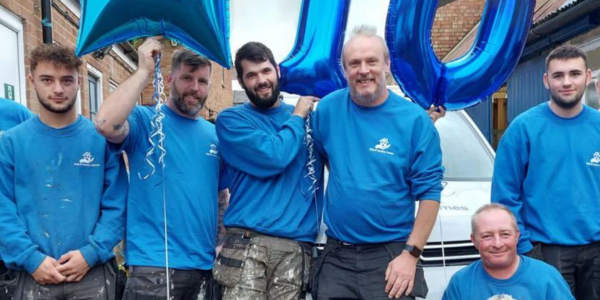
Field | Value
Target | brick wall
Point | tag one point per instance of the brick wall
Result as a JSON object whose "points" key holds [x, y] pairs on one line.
{"points": [[220, 95], [64, 25], [113, 68], [453, 22]]}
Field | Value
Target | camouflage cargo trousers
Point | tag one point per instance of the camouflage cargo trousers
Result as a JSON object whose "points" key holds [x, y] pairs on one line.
{"points": [[253, 266]]}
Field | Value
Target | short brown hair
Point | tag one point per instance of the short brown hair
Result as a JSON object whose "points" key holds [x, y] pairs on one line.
{"points": [[493, 206], [190, 58], [58, 55], [566, 52]]}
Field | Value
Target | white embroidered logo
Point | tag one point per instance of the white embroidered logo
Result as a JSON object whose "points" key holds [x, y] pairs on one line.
{"points": [[501, 297], [383, 145], [595, 161], [213, 151], [86, 160]]}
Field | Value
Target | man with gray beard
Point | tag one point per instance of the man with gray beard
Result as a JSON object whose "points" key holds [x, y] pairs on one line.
{"points": [[384, 154], [186, 187]]}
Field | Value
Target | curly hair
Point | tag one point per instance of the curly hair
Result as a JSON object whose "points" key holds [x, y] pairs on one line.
{"points": [[58, 55]]}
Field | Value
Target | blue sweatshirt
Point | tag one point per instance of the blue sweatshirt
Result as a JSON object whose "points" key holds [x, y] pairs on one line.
{"points": [[547, 171], [12, 114], [534, 279], [60, 190], [266, 158], [382, 159], [191, 177]]}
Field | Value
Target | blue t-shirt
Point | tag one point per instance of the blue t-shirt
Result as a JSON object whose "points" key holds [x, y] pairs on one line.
{"points": [[60, 190], [547, 171], [382, 159], [266, 157], [12, 114], [190, 181], [533, 280]]}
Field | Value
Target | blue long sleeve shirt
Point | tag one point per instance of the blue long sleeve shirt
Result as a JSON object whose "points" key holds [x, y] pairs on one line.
{"points": [[533, 279], [382, 159], [547, 171], [266, 158], [12, 114], [60, 190]]}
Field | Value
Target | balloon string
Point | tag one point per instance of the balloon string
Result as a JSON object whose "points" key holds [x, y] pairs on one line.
{"points": [[156, 132], [156, 122], [310, 164]]}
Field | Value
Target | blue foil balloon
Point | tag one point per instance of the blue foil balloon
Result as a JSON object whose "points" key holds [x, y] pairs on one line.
{"points": [[413, 62], [200, 25], [469, 79], [313, 67]]}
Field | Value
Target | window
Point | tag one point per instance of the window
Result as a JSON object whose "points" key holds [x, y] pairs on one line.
{"points": [[95, 95]]}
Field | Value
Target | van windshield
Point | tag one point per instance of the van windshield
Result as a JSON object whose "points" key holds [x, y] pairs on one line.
{"points": [[465, 155]]}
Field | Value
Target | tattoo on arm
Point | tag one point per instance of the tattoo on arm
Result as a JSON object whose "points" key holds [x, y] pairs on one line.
{"points": [[99, 123], [121, 128]]}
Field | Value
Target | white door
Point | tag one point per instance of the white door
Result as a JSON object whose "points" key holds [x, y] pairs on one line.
{"points": [[12, 72]]}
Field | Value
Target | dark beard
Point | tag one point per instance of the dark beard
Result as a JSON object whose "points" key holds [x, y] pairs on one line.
{"points": [[264, 103], [564, 104], [49, 107]]}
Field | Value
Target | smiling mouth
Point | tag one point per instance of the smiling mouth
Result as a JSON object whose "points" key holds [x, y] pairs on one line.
{"points": [[365, 81]]}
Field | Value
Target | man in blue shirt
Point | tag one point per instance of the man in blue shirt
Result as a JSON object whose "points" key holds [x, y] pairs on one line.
{"points": [[62, 206], [11, 114], [384, 154], [274, 210], [501, 273], [547, 171], [172, 208]]}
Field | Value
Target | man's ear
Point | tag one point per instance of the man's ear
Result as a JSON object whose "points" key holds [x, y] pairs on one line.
{"points": [[169, 77]]}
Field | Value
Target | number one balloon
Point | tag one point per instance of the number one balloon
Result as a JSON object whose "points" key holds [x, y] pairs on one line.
{"points": [[469, 79]]}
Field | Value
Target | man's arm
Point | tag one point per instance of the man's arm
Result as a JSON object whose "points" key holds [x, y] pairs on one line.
{"points": [[400, 273], [510, 167], [17, 248], [426, 185], [111, 121], [246, 147], [110, 226]]}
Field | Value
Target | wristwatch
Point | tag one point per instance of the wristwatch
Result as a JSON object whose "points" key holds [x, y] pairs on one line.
{"points": [[413, 250]]}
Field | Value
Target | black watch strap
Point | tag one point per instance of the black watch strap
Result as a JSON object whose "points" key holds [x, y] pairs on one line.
{"points": [[413, 250]]}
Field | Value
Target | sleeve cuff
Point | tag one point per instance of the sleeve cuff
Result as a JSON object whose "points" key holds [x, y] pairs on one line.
{"points": [[34, 261], [90, 255], [524, 247]]}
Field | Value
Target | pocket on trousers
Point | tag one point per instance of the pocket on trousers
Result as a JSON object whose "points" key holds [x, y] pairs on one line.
{"points": [[230, 262], [8, 284], [420, 288]]}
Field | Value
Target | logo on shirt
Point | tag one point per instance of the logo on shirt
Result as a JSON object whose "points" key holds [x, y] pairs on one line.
{"points": [[501, 297], [383, 145], [595, 161], [86, 160], [213, 151]]}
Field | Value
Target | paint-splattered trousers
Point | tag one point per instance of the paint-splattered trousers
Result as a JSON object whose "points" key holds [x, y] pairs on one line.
{"points": [[98, 283], [253, 266], [150, 283]]}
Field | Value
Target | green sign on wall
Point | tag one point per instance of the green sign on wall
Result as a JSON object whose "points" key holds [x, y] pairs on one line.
{"points": [[9, 91]]}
